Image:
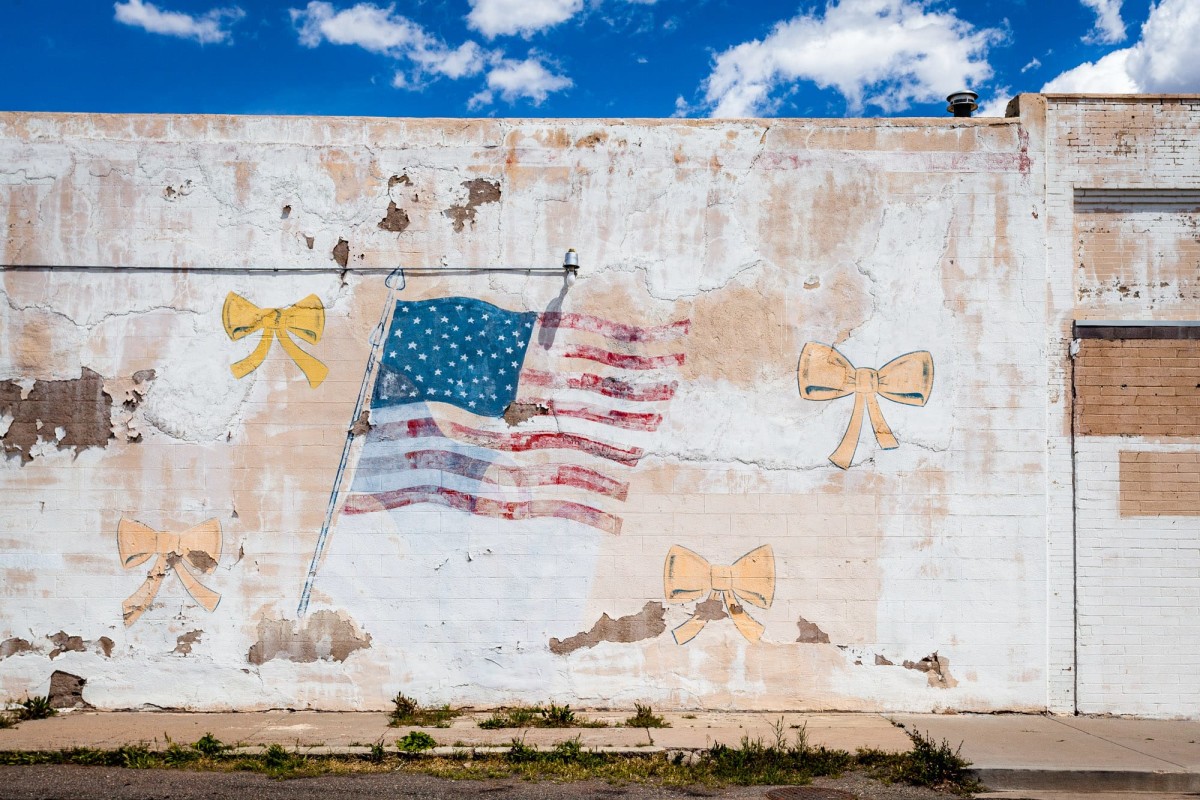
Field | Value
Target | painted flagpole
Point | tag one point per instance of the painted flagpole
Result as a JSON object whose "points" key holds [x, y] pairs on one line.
{"points": [[395, 282]]}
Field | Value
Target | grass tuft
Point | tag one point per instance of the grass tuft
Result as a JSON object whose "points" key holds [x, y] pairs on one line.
{"points": [[646, 718], [929, 763], [408, 711], [551, 716], [36, 708], [416, 741]]}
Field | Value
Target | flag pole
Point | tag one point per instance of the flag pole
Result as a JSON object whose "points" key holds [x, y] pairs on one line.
{"points": [[394, 282]]}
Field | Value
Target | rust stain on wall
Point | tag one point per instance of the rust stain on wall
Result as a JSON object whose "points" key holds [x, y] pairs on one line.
{"points": [[79, 407], [479, 192], [810, 633], [324, 635], [648, 623]]}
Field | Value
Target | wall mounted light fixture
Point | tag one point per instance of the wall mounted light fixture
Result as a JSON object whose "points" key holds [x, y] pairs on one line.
{"points": [[571, 266]]}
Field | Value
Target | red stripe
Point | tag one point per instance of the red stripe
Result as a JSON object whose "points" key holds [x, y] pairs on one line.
{"points": [[511, 442], [615, 330], [621, 359], [398, 498], [609, 387], [619, 419], [536, 475]]}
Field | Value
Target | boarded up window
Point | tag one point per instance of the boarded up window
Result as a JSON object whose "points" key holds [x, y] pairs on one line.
{"points": [[1160, 484], [1138, 380]]}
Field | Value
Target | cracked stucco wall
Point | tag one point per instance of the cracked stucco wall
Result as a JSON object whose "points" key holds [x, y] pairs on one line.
{"points": [[124, 235]]}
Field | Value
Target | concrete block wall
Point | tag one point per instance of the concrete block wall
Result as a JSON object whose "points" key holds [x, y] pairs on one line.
{"points": [[713, 253]]}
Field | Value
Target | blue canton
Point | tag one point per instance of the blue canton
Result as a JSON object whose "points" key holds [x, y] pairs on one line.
{"points": [[455, 350]]}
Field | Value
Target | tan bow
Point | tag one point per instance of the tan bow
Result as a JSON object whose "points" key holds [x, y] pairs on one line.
{"points": [[687, 576], [199, 546], [825, 374], [305, 319]]}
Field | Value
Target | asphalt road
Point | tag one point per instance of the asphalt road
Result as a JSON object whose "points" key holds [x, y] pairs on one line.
{"points": [[110, 783]]}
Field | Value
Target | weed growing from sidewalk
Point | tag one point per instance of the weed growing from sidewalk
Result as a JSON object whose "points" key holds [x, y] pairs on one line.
{"points": [[408, 711], [551, 716], [646, 718], [416, 741], [35, 708]]}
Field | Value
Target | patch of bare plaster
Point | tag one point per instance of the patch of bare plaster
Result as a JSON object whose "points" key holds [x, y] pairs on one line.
{"points": [[880, 661], [184, 642], [646, 624], [64, 643], [810, 633], [395, 220], [361, 425], [72, 414], [66, 690], [127, 394], [936, 669], [323, 635], [15, 646], [516, 413], [310, 241], [341, 253], [106, 646], [479, 192], [397, 180], [286, 212], [710, 610], [592, 139]]}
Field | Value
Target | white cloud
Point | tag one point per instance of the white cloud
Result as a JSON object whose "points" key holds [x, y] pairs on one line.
{"points": [[381, 30], [997, 105], [1162, 60], [206, 28], [886, 53], [1033, 64], [514, 80], [1109, 27], [1109, 75], [506, 17]]}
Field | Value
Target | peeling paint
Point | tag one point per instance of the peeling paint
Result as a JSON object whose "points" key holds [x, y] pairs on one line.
{"points": [[516, 413], [936, 669], [184, 642], [810, 633], [395, 220], [646, 624], [323, 635], [65, 643], [479, 192], [15, 646], [79, 409], [341, 253], [66, 690]]}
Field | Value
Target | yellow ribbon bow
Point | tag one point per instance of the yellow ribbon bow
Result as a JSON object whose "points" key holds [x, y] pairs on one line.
{"points": [[199, 546], [825, 374], [305, 319], [688, 576]]}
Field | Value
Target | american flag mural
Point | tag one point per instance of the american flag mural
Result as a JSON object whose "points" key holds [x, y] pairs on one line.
{"points": [[513, 415]]}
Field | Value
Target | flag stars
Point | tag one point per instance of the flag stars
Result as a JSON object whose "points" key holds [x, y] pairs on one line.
{"points": [[412, 345], [422, 356]]}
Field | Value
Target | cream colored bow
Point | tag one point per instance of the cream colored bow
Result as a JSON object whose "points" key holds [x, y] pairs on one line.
{"points": [[305, 319], [826, 374], [687, 576], [199, 546]]}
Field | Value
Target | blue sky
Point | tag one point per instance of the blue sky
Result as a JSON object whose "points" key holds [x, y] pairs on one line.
{"points": [[583, 58]]}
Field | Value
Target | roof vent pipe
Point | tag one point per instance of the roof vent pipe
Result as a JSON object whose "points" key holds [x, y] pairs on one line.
{"points": [[962, 104]]}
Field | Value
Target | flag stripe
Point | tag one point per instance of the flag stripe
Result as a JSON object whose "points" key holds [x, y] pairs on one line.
{"points": [[614, 330], [622, 360], [620, 419], [609, 387], [461, 501], [570, 475], [511, 442]]}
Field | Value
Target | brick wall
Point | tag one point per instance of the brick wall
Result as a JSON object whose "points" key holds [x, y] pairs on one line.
{"points": [[1160, 484], [1143, 387]]}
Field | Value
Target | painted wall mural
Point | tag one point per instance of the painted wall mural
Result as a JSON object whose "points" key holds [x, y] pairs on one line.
{"points": [[305, 319], [826, 374], [688, 577], [198, 546]]}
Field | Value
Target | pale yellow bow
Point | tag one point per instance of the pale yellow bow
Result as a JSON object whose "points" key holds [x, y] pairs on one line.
{"points": [[199, 546], [826, 374], [305, 319], [687, 576]]}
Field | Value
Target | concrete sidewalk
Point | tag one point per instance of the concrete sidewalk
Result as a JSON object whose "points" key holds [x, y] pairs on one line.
{"points": [[1010, 751]]}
